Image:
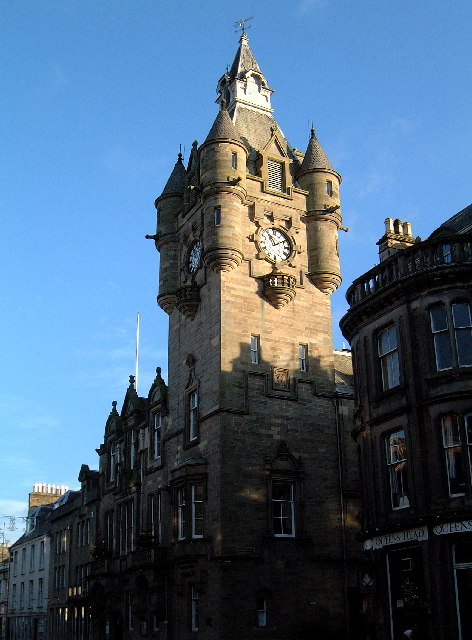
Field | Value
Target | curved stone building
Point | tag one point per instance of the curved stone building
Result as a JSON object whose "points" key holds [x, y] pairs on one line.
{"points": [[410, 328]]}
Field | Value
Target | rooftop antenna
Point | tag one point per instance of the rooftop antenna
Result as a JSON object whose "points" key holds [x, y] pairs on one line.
{"points": [[241, 26], [137, 350]]}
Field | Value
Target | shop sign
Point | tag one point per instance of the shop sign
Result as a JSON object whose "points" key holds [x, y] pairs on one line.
{"points": [[399, 537], [453, 527]]}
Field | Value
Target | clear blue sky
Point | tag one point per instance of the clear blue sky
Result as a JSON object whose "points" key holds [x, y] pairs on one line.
{"points": [[96, 97]]}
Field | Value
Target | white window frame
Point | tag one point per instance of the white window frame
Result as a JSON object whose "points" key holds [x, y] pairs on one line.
{"points": [[397, 465], [460, 329], [196, 491], [193, 415], [441, 338], [387, 347], [280, 507], [181, 512]]}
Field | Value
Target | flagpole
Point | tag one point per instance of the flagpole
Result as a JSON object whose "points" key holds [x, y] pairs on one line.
{"points": [[137, 350]]}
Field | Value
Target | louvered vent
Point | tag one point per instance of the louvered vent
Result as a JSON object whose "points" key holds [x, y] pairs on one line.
{"points": [[276, 175]]}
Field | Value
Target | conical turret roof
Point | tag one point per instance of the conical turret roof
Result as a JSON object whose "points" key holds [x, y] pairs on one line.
{"points": [[223, 126], [176, 181], [315, 157]]}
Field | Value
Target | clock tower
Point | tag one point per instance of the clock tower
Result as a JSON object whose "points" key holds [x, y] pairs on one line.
{"points": [[254, 447]]}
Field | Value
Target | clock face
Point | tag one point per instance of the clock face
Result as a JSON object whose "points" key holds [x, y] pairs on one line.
{"points": [[194, 256], [276, 244]]}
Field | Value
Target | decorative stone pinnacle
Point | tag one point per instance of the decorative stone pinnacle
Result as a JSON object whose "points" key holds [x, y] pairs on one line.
{"points": [[131, 380]]}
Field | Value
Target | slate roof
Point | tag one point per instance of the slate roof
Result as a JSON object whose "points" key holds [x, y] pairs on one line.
{"points": [[461, 222], [176, 181], [223, 126], [315, 157], [343, 376], [244, 60]]}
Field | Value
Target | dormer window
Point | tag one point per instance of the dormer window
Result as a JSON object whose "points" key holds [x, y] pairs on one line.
{"points": [[275, 172]]}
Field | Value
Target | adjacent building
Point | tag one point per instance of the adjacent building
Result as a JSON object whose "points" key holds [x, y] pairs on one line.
{"points": [[29, 568], [229, 495], [410, 327]]}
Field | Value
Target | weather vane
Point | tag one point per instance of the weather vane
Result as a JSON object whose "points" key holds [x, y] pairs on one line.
{"points": [[241, 26]]}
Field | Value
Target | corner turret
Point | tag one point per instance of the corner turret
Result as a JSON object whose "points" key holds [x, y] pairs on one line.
{"points": [[168, 205], [223, 159], [323, 217]]}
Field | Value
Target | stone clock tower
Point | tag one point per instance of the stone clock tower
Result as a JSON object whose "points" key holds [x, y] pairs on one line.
{"points": [[253, 435]]}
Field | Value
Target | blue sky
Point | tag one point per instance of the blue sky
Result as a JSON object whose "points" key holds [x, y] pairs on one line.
{"points": [[97, 96]]}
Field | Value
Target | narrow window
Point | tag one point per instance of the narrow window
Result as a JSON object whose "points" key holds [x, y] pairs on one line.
{"points": [[15, 563], [275, 172], [23, 560], [40, 592], [388, 354], [155, 516], [109, 530], [255, 349], [197, 511], [234, 160], [397, 469], [22, 594], [193, 415], [442, 342], [133, 447], [453, 454], [42, 553], [217, 215], [302, 352], [32, 558], [13, 596], [329, 188], [30, 594], [261, 612], [180, 514], [157, 436], [462, 580], [112, 462], [463, 333], [194, 609], [130, 612], [283, 512]]}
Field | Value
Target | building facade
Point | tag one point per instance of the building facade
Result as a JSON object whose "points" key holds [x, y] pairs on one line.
{"points": [[4, 575], [410, 327], [73, 533], [29, 568], [229, 495]]}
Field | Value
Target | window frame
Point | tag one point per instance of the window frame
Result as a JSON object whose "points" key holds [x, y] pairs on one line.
{"points": [[157, 436], [255, 345], [445, 343], [193, 402], [389, 360], [194, 608], [276, 175], [402, 464], [197, 510], [303, 357], [278, 506]]}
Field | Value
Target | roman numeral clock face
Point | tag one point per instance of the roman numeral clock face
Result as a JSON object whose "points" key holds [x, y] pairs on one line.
{"points": [[275, 244]]}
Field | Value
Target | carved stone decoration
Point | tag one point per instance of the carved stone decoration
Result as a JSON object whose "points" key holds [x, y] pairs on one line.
{"points": [[280, 378], [326, 282], [278, 287], [167, 302], [223, 259], [188, 300]]}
